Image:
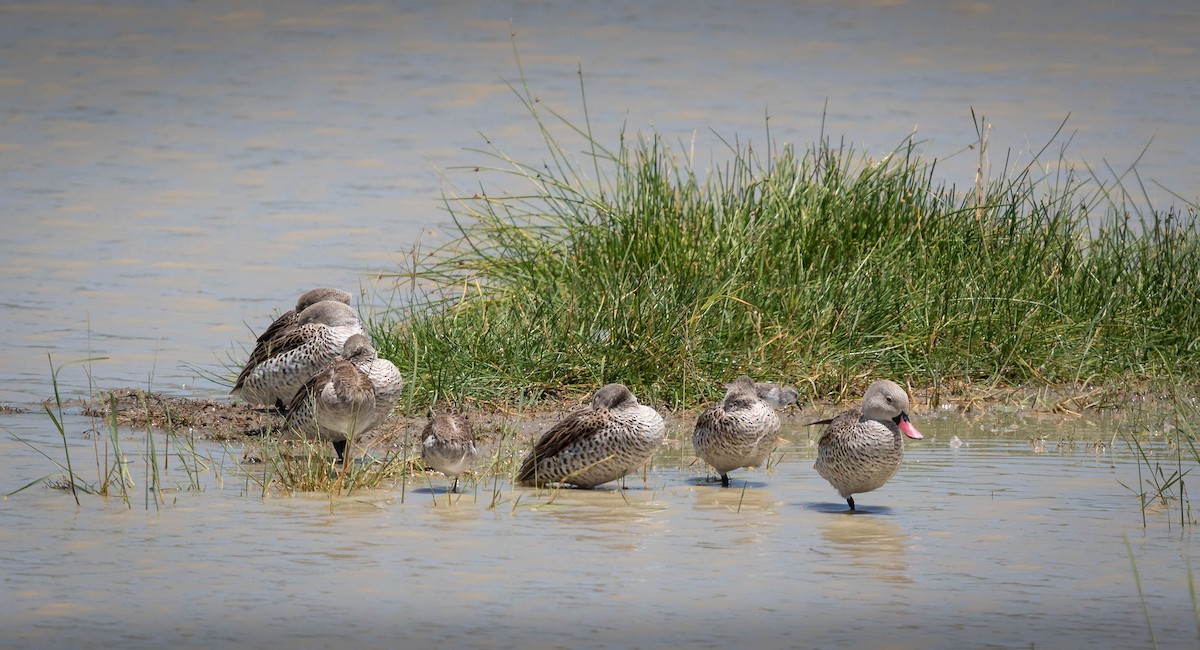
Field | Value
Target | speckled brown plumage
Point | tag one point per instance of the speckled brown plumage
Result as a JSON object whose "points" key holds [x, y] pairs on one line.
{"points": [[278, 369], [862, 448], [337, 403], [291, 317], [601, 443], [740, 430], [389, 384]]}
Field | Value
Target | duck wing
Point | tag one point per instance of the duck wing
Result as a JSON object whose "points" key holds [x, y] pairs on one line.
{"points": [[289, 340], [839, 425], [576, 427]]}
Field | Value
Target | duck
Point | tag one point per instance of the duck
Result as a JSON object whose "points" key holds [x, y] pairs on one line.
{"points": [[276, 370], [287, 320], [603, 442], [742, 429], [389, 384], [448, 444], [775, 395], [863, 447], [337, 403]]}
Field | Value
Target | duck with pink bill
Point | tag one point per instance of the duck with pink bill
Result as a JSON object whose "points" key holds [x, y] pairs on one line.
{"points": [[862, 448]]}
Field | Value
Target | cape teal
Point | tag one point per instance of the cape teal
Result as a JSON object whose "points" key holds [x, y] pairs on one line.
{"points": [[289, 318], [279, 368], [742, 429], [863, 447], [603, 442], [388, 383], [448, 444], [337, 403]]}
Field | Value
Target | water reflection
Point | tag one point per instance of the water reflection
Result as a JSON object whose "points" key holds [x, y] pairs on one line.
{"points": [[739, 518], [959, 544], [870, 543], [740, 496]]}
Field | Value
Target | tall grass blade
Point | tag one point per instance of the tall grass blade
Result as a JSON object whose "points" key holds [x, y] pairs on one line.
{"points": [[62, 432]]}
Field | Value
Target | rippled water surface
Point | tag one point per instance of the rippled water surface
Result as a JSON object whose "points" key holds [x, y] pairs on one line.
{"points": [[173, 174], [990, 544]]}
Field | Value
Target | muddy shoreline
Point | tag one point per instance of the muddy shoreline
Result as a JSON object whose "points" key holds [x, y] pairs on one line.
{"points": [[217, 419]]}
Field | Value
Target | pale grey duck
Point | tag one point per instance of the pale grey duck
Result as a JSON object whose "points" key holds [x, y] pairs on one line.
{"points": [[740, 430], [277, 370], [863, 447], [289, 318]]}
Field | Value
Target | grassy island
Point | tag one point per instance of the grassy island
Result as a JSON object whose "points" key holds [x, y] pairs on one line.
{"points": [[816, 266]]}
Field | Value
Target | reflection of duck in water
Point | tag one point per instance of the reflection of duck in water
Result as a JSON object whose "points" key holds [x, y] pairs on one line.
{"points": [[862, 448], [739, 500], [875, 545]]}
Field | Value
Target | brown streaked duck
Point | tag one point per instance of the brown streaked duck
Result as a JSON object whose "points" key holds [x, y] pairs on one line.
{"points": [[603, 442], [337, 403], [863, 447], [278, 369], [740, 430], [289, 318]]}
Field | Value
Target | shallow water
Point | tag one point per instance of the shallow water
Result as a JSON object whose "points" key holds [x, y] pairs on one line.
{"points": [[175, 174], [992, 543]]}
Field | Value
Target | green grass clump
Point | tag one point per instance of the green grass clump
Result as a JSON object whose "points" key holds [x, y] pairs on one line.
{"points": [[113, 467], [820, 267], [289, 464]]}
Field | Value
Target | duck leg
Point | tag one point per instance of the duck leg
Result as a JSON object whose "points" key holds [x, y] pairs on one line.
{"points": [[724, 480], [340, 447], [850, 500]]}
